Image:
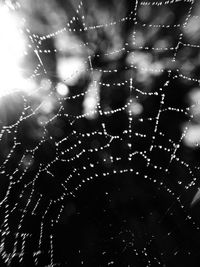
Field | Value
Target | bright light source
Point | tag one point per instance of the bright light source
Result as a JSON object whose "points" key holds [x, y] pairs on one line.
{"points": [[135, 108], [70, 69], [47, 106], [91, 101], [62, 89], [193, 136], [12, 45]]}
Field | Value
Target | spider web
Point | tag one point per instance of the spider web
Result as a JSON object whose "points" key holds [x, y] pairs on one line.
{"points": [[97, 154]]}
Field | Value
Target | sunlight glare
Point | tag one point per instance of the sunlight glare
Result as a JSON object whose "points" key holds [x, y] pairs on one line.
{"points": [[12, 46]]}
